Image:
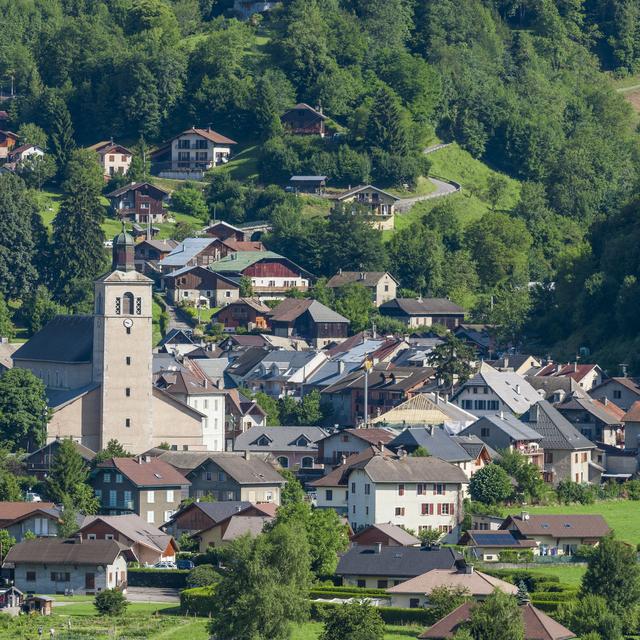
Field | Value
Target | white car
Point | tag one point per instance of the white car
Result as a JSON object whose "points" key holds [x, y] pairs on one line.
{"points": [[165, 564], [30, 496]]}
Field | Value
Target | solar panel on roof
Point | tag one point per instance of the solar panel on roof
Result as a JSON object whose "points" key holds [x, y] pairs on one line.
{"points": [[495, 539]]}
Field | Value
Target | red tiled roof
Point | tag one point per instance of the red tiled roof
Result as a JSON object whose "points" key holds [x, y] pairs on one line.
{"points": [[575, 371], [611, 408], [560, 525], [633, 415], [153, 473], [13, 510]]}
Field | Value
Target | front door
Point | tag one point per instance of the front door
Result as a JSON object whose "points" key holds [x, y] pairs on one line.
{"points": [[89, 581]]}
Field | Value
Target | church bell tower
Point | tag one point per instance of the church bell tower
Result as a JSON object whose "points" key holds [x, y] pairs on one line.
{"points": [[122, 350]]}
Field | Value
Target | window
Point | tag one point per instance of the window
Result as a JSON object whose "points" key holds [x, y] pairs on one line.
{"points": [[485, 432], [467, 404], [127, 392], [222, 476], [439, 489], [112, 158], [399, 511], [328, 494], [353, 487], [127, 303], [344, 438], [113, 498], [584, 456], [493, 405], [151, 497], [200, 144], [170, 497], [108, 536], [91, 536], [118, 306], [118, 478], [283, 461], [400, 489], [307, 462], [576, 458], [127, 422], [353, 509], [98, 494], [106, 477], [443, 509], [548, 457], [150, 517], [480, 405], [421, 488], [128, 500], [128, 360], [382, 584], [184, 144], [60, 576], [414, 603], [617, 394], [426, 509], [367, 489], [366, 511], [31, 576], [362, 584]]}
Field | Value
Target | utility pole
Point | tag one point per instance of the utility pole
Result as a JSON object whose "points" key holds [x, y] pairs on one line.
{"points": [[368, 364]]}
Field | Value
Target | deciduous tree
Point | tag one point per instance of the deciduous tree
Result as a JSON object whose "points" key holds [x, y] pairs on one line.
{"points": [[490, 485], [355, 620]]}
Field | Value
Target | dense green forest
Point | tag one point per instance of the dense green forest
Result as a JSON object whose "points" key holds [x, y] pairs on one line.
{"points": [[523, 85]]}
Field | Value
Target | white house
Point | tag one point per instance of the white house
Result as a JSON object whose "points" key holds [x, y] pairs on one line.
{"points": [[414, 492], [21, 153]]}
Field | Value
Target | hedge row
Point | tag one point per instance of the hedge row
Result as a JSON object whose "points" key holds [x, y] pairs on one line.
{"points": [[390, 615], [554, 596], [533, 581], [196, 601], [347, 592], [546, 605], [172, 578]]}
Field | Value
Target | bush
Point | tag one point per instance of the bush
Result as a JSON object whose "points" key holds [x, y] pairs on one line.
{"points": [[172, 578], [533, 582], [204, 575], [511, 555], [196, 601], [110, 602], [390, 615]]}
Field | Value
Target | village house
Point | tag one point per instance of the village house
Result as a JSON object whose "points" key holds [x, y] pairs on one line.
{"points": [[310, 320], [332, 490], [537, 624], [601, 422], [308, 184], [487, 545], [568, 455], [39, 462], [84, 567], [381, 204], [242, 413], [622, 391], [193, 252], [244, 9], [480, 337], [248, 313], [558, 534], [414, 492], [271, 274], [505, 432], [414, 593], [23, 152], [249, 521], [224, 231], [467, 452], [387, 387], [491, 392], [519, 363], [379, 567], [291, 447], [149, 487], [631, 421], [587, 376], [304, 120], [424, 312], [342, 444], [140, 202], [201, 287], [114, 158], [386, 534], [146, 543], [199, 393], [38, 518], [8, 140], [200, 516], [381, 284], [149, 252], [190, 153]]}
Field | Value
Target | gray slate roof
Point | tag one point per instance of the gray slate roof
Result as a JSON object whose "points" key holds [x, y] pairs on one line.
{"points": [[218, 511], [509, 424], [132, 526], [434, 439], [55, 551], [407, 469], [58, 398], [188, 249], [423, 307], [401, 562], [556, 431], [280, 439], [64, 339]]}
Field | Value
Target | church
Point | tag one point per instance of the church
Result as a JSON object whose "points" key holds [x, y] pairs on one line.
{"points": [[98, 369]]}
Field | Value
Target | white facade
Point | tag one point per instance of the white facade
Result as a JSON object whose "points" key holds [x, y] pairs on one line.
{"points": [[481, 401], [115, 161], [333, 498], [213, 406], [191, 151], [417, 506], [274, 288]]}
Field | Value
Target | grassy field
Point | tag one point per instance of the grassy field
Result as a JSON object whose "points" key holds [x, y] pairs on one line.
{"points": [[312, 630], [243, 165], [423, 188], [623, 516], [569, 574]]}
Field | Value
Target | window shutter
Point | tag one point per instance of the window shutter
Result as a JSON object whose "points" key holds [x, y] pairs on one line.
{"points": [[439, 509], [425, 509], [434, 489], [452, 509], [431, 509]]}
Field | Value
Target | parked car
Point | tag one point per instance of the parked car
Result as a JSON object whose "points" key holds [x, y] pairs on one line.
{"points": [[185, 564], [164, 564], [31, 496]]}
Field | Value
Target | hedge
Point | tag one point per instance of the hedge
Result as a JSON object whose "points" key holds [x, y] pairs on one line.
{"points": [[347, 592], [173, 578], [554, 596], [531, 580], [196, 601], [390, 615], [546, 605]]}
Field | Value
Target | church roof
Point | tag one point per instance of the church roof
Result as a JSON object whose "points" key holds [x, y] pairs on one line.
{"points": [[124, 276], [64, 339]]}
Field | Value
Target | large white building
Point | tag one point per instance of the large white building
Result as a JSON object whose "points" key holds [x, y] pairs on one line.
{"points": [[418, 493]]}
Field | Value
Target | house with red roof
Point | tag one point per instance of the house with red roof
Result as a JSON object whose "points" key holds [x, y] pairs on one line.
{"points": [[8, 141], [587, 376], [304, 120], [621, 390], [114, 158]]}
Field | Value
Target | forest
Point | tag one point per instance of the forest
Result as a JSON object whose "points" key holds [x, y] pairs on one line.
{"points": [[525, 86]]}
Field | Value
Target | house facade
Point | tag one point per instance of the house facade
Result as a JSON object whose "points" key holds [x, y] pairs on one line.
{"points": [[416, 493], [200, 286], [39, 462], [424, 312], [113, 158], [622, 391], [381, 284], [140, 202], [8, 141], [380, 204], [304, 120], [22, 518], [248, 313]]}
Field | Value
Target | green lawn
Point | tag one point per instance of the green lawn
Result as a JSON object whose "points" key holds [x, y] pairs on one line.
{"points": [[569, 574], [243, 165], [623, 516], [314, 206], [312, 630], [423, 188]]}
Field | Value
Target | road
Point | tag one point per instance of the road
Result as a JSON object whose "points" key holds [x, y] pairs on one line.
{"points": [[174, 321], [152, 594]]}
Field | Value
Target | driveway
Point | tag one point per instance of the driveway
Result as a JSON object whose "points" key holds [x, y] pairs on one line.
{"points": [[153, 594], [442, 189]]}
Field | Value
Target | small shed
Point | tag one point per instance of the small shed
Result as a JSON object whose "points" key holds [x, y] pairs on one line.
{"points": [[39, 604], [10, 597], [308, 184]]}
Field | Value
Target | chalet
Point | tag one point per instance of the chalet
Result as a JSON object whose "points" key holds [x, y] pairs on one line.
{"points": [[248, 313], [380, 284], [310, 320], [8, 141], [291, 447], [271, 274], [387, 386], [304, 120], [505, 432], [424, 312], [587, 376], [201, 286], [24, 151], [194, 251], [599, 421], [148, 253], [20, 518], [192, 152], [224, 231], [381, 204], [478, 336], [622, 391], [146, 543], [308, 184], [39, 462], [140, 202], [249, 522], [198, 516], [341, 445], [113, 158]]}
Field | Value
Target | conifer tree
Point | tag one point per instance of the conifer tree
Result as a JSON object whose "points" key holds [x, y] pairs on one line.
{"points": [[60, 131], [267, 118], [386, 129], [68, 470]]}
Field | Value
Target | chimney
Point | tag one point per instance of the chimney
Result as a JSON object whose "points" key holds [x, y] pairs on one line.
{"points": [[379, 547], [468, 569], [605, 401], [575, 367], [623, 370], [340, 366], [363, 275], [518, 389], [246, 455], [340, 271], [437, 397], [524, 515], [501, 414], [343, 459]]}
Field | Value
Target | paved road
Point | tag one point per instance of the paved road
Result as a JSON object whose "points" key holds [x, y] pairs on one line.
{"points": [[152, 594], [442, 189], [174, 321]]}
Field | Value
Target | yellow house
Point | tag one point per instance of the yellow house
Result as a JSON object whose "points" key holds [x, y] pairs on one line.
{"points": [[381, 204]]}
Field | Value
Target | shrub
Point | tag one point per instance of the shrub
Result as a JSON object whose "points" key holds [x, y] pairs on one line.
{"points": [[172, 578], [196, 601], [203, 575], [110, 602], [390, 615], [511, 555]]}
